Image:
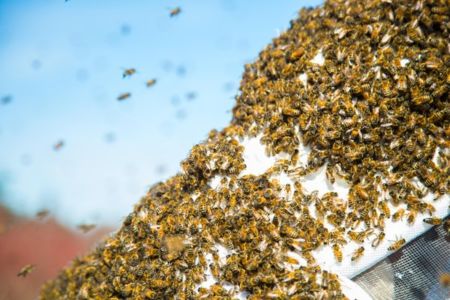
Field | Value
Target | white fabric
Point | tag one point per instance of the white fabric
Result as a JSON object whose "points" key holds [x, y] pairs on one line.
{"points": [[258, 162]]}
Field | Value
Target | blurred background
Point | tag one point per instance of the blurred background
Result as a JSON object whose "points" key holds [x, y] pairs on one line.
{"points": [[75, 155]]}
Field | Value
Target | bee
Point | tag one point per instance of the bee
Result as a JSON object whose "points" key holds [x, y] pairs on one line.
{"points": [[58, 145], [385, 209], [433, 221], [6, 99], [330, 174], [123, 96], [85, 228], [444, 280], [358, 253], [128, 72], [298, 53], [150, 82], [411, 217], [42, 213], [337, 252], [398, 215], [291, 260], [397, 244], [421, 99], [378, 239], [446, 226], [175, 11], [25, 270], [174, 244]]}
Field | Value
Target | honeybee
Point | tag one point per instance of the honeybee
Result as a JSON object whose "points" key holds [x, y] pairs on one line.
{"points": [[175, 11], [444, 280], [25, 270], [123, 96], [150, 82], [397, 244], [385, 209], [330, 174], [447, 226], [411, 217], [378, 239], [85, 228], [42, 213], [6, 99], [358, 253], [337, 252], [433, 221], [128, 72], [291, 260], [58, 145], [398, 215]]}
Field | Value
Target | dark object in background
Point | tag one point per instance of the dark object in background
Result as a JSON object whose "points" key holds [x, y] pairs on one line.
{"points": [[59, 145], [6, 99]]}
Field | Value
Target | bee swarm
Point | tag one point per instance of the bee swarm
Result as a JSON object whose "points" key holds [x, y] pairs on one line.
{"points": [[365, 85]]}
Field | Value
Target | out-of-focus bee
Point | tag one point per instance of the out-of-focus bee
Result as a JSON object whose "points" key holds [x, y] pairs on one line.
{"points": [[175, 11], [358, 253], [446, 226], [397, 244], [444, 280], [150, 82], [337, 252], [378, 239], [6, 99], [42, 213], [58, 145], [123, 96], [25, 270], [85, 228], [433, 221], [128, 72]]}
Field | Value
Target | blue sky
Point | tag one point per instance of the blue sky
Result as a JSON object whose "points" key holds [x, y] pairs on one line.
{"points": [[62, 63]]}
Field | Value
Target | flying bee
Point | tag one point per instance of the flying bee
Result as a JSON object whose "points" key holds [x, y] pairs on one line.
{"points": [[42, 213], [337, 252], [175, 11], [123, 96], [85, 228], [128, 72], [433, 221], [25, 270], [6, 99], [358, 253], [378, 239], [397, 244], [151, 82], [58, 145]]}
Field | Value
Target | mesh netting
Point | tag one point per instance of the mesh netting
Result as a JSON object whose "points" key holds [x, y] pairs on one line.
{"points": [[413, 272]]}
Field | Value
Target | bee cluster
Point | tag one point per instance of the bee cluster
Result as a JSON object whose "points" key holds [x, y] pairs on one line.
{"points": [[363, 84]]}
